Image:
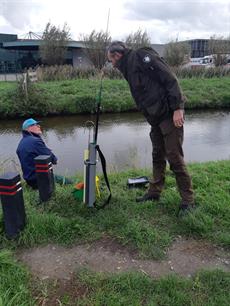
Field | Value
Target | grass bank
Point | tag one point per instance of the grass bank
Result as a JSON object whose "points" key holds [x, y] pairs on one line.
{"points": [[148, 228], [78, 96], [134, 289]]}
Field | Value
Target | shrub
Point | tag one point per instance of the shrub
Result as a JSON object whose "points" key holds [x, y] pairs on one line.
{"points": [[201, 72], [27, 101]]}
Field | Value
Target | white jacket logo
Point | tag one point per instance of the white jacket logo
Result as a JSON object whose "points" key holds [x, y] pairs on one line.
{"points": [[146, 59]]}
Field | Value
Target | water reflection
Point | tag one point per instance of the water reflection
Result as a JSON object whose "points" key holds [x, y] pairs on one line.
{"points": [[124, 139]]}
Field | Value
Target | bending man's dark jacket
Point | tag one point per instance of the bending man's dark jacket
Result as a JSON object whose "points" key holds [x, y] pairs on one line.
{"points": [[30, 146], [153, 86]]}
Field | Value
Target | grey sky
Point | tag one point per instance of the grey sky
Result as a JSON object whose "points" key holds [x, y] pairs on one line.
{"points": [[186, 18], [163, 20]]}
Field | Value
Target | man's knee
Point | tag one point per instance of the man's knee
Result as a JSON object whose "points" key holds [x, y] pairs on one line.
{"points": [[176, 162]]}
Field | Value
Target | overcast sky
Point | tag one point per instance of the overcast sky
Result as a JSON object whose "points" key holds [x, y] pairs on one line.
{"points": [[163, 20]]}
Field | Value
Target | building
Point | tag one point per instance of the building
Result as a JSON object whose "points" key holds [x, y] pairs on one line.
{"points": [[159, 48], [19, 54], [199, 47]]}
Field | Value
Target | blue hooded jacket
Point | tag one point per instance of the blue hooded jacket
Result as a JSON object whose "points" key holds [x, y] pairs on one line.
{"points": [[30, 146]]}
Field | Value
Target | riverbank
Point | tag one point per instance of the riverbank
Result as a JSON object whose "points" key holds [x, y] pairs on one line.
{"points": [[146, 230], [79, 96]]}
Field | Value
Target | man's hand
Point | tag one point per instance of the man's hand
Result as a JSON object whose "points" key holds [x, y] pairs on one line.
{"points": [[178, 118]]}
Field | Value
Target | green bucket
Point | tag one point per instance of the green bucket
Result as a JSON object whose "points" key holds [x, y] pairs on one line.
{"points": [[78, 194]]}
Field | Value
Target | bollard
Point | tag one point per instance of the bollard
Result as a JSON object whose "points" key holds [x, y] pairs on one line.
{"points": [[14, 215], [45, 177]]}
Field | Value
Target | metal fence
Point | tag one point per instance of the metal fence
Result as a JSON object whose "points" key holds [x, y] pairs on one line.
{"points": [[13, 77]]}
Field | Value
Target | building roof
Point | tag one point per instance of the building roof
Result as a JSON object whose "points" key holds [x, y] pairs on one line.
{"points": [[35, 43], [7, 37], [159, 48]]}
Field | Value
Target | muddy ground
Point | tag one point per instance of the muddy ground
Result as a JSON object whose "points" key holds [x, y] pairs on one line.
{"points": [[185, 257], [57, 266]]}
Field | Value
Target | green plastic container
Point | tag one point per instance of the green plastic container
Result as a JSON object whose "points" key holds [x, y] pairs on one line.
{"points": [[78, 194]]}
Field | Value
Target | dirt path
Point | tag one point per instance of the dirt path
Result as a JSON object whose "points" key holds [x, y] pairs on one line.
{"points": [[184, 257]]}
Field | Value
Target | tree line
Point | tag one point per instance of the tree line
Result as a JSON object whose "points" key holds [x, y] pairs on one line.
{"points": [[55, 41]]}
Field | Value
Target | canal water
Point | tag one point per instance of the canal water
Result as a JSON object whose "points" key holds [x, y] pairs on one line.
{"points": [[123, 138]]}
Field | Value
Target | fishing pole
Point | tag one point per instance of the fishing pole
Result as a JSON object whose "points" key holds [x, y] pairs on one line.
{"points": [[98, 108], [98, 99], [89, 196]]}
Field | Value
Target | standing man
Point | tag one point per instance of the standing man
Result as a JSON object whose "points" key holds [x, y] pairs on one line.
{"points": [[158, 96], [30, 146]]}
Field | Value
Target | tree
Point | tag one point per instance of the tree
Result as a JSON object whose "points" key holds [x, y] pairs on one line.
{"points": [[138, 39], [177, 53], [219, 47], [95, 47], [54, 45]]}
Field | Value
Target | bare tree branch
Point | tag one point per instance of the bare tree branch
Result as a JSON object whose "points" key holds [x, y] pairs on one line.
{"points": [[138, 39], [177, 53], [95, 47], [219, 47], [54, 46]]}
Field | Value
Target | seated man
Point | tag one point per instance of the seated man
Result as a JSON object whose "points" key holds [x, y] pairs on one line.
{"points": [[30, 146]]}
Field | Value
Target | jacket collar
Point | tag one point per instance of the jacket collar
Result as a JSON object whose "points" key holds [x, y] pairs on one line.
{"points": [[26, 134], [122, 63]]}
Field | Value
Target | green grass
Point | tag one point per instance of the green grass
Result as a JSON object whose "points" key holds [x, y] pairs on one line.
{"points": [[206, 288], [79, 96], [148, 228], [206, 93], [14, 280]]}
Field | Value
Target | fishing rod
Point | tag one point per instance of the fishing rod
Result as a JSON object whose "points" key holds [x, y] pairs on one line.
{"points": [[89, 197], [98, 100]]}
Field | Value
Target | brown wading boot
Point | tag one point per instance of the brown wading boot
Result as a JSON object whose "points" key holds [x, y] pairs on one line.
{"points": [[185, 209], [148, 197], [154, 191]]}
